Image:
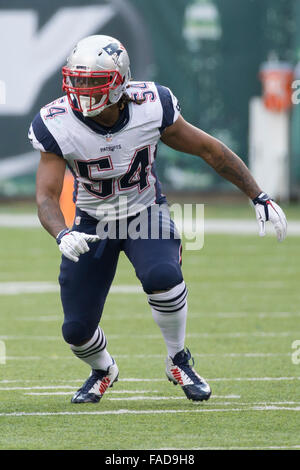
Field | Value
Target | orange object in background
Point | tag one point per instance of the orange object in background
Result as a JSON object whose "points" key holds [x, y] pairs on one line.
{"points": [[277, 78], [66, 199]]}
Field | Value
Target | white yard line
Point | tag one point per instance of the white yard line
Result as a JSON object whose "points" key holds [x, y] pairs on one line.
{"points": [[19, 221], [211, 226], [25, 358], [148, 356], [138, 397], [49, 394], [159, 398], [151, 412], [38, 387], [40, 287], [119, 392], [243, 315], [46, 318], [200, 315], [250, 355], [30, 338], [242, 334], [219, 379], [15, 288], [253, 379]]}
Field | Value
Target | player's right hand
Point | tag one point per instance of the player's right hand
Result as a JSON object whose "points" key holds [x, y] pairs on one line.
{"points": [[72, 244]]}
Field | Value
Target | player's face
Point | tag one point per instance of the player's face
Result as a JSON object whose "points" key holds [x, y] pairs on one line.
{"points": [[88, 82], [97, 84]]}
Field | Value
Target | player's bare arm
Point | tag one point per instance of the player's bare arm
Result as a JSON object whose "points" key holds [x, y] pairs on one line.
{"points": [[49, 183], [186, 138]]}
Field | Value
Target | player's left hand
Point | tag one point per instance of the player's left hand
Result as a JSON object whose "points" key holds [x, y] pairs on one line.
{"points": [[266, 209]]}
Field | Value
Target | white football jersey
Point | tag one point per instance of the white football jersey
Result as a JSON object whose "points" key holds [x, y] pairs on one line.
{"points": [[114, 168]]}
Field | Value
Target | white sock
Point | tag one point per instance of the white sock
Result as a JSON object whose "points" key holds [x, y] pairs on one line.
{"points": [[169, 310], [94, 351]]}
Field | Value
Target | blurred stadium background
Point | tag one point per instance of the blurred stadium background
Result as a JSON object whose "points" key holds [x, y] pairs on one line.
{"points": [[209, 52], [231, 63]]}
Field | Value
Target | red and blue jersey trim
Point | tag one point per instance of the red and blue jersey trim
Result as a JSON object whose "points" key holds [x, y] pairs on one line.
{"points": [[44, 136], [167, 106]]}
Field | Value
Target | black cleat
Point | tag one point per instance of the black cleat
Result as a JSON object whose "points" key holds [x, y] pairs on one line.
{"points": [[95, 386], [179, 371]]}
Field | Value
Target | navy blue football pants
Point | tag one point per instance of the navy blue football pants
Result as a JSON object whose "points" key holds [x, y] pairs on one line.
{"points": [[85, 284]]}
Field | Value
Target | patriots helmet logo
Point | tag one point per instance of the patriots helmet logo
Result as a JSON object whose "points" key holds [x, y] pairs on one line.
{"points": [[113, 50]]}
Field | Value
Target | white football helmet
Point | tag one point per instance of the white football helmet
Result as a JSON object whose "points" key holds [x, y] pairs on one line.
{"points": [[96, 74]]}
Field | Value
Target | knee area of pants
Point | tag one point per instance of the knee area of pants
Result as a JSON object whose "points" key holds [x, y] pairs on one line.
{"points": [[162, 277], [75, 333]]}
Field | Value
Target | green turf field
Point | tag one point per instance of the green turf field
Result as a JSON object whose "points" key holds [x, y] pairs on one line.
{"points": [[244, 315]]}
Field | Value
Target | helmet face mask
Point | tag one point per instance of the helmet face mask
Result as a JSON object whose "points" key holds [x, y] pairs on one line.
{"points": [[96, 74], [89, 91]]}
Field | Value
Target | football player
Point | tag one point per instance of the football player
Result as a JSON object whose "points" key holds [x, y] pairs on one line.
{"points": [[106, 129]]}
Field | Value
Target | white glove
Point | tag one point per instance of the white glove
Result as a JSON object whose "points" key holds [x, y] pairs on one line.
{"points": [[72, 244], [266, 209]]}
